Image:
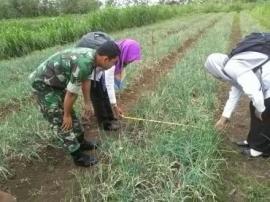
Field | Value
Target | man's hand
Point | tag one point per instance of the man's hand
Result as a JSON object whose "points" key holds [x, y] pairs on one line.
{"points": [[117, 111], [67, 122], [258, 114], [222, 123]]}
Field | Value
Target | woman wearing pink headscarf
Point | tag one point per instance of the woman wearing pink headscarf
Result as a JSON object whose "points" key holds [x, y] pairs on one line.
{"points": [[103, 85]]}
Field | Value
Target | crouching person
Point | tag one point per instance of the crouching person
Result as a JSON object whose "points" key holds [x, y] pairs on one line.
{"points": [[103, 84], [247, 69], [103, 95], [56, 83]]}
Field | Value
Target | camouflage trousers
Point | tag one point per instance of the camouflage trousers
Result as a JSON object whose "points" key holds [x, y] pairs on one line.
{"points": [[50, 103]]}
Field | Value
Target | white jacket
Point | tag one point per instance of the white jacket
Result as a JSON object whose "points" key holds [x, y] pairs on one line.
{"points": [[109, 81], [239, 72]]}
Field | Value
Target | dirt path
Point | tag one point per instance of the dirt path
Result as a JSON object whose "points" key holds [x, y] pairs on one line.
{"points": [[245, 179], [51, 179]]}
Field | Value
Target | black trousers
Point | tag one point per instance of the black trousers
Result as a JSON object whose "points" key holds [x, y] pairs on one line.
{"points": [[101, 104], [259, 134]]}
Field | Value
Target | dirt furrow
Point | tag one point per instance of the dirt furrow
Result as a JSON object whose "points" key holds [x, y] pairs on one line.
{"points": [[240, 172]]}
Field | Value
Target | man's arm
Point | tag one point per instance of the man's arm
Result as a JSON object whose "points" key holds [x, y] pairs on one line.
{"points": [[68, 104], [86, 96], [86, 91]]}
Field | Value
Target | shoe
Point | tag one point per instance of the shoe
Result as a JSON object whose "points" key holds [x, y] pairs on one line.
{"points": [[83, 160], [247, 153], [242, 144], [88, 145]]}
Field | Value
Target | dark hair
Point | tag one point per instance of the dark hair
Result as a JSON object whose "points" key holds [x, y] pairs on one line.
{"points": [[110, 49]]}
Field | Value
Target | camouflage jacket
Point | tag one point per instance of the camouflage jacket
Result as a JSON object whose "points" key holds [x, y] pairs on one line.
{"points": [[66, 69]]}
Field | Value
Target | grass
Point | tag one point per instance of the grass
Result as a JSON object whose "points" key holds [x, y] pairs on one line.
{"points": [[23, 36], [242, 180], [18, 134], [154, 162], [14, 75], [145, 162], [250, 24], [262, 14]]}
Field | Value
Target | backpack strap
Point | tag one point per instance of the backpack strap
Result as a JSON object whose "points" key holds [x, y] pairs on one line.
{"points": [[260, 66], [225, 73], [255, 69]]}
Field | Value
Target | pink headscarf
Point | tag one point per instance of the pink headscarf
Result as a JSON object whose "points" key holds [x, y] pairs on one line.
{"points": [[130, 51]]}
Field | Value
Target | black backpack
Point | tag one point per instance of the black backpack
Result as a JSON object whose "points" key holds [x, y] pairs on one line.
{"points": [[258, 42], [93, 40]]}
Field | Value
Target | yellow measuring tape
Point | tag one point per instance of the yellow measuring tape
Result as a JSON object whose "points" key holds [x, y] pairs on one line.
{"points": [[156, 121]]}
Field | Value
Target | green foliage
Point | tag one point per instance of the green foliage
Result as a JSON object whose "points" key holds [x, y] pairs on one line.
{"points": [[19, 37], [262, 13], [226, 7], [18, 8], [33, 8], [78, 6]]}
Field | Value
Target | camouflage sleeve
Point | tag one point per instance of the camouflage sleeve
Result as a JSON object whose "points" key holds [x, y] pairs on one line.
{"points": [[81, 70], [73, 88]]}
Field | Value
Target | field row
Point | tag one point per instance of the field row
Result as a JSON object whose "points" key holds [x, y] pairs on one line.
{"points": [[19, 37], [167, 163]]}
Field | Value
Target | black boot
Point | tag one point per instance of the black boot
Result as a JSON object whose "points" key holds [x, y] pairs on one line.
{"points": [[111, 125], [84, 160], [88, 145]]}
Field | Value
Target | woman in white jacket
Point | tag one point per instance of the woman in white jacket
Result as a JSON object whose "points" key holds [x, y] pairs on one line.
{"points": [[249, 74]]}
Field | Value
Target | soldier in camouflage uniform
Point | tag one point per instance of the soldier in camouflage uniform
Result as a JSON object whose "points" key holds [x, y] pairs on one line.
{"points": [[56, 83]]}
